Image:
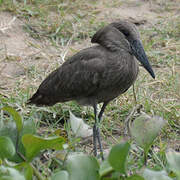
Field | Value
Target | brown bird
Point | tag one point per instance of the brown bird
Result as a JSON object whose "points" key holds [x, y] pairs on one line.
{"points": [[97, 74]]}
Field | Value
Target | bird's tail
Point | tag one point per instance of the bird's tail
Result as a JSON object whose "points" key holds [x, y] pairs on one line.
{"points": [[35, 99], [40, 100]]}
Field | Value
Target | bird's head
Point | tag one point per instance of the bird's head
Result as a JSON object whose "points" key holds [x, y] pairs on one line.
{"points": [[131, 33]]}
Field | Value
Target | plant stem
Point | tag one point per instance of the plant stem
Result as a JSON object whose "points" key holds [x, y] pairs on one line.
{"points": [[36, 172], [145, 158]]}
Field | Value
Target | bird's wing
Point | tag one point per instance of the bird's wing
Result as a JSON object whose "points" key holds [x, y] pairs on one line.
{"points": [[79, 76]]}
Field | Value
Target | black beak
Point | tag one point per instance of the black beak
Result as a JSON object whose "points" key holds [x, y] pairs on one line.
{"points": [[139, 53]]}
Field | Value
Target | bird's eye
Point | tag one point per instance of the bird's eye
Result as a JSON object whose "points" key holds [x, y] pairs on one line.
{"points": [[125, 32]]}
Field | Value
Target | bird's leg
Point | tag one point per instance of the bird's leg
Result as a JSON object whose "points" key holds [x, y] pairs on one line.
{"points": [[102, 110], [95, 130], [98, 131]]}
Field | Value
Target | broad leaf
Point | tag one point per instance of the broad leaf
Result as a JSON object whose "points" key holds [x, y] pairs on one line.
{"points": [[145, 129], [155, 175], [135, 177], [28, 172], [173, 159], [17, 118], [7, 149], [118, 155], [7, 173], [81, 167], [28, 127], [34, 144], [105, 168], [9, 129], [61, 175], [26, 168]]}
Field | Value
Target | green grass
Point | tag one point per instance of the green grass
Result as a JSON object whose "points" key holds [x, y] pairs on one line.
{"points": [[57, 21]]}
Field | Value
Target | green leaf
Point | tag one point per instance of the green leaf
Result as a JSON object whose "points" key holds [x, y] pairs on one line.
{"points": [[173, 159], [7, 173], [61, 175], [115, 176], [26, 168], [9, 129], [28, 172], [17, 118], [81, 167], [145, 129], [112, 178], [118, 155], [34, 144], [155, 175], [7, 149], [28, 127], [105, 168], [135, 177]]}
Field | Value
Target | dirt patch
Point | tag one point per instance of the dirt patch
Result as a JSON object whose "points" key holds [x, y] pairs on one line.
{"points": [[132, 11], [12, 37], [19, 52], [135, 10]]}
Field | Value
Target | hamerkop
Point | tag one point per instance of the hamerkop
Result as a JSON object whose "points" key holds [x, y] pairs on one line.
{"points": [[97, 74]]}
